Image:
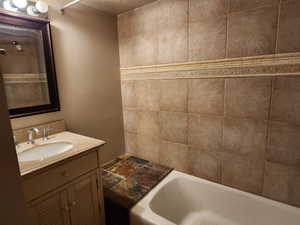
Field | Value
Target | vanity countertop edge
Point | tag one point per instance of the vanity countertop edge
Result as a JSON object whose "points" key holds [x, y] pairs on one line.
{"points": [[81, 144]]}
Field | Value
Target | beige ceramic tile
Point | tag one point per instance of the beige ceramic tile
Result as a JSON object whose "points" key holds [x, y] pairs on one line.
{"points": [[206, 96], [172, 21], [148, 148], [174, 126], [294, 197], [148, 94], [285, 101], [282, 183], [207, 39], [245, 137], [173, 95], [205, 132], [252, 32], [284, 144], [131, 143], [243, 174], [126, 38], [174, 155], [145, 45], [130, 120], [276, 182], [206, 10], [247, 97], [128, 94], [205, 164], [240, 5], [289, 34], [148, 124]]}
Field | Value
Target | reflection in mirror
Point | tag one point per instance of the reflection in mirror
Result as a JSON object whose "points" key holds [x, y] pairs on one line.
{"points": [[27, 65], [23, 67]]}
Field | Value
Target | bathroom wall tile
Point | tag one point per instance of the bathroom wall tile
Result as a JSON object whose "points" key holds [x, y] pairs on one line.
{"points": [[282, 183], [240, 5], [206, 96], [276, 182], [172, 20], [145, 45], [240, 103], [131, 143], [206, 10], [241, 173], [130, 120], [148, 94], [289, 22], [174, 155], [294, 197], [173, 95], [207, 29], [284, 144], [245, 137], [207, 39], [148, 148], [174, 126], [205, 164], [252, 32], [148, 124], [128, 94], [205, 132], [285, 101], [126, 38]]}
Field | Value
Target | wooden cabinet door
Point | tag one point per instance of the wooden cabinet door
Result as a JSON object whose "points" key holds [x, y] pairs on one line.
{"points": [[84, 201], [50, 210]]}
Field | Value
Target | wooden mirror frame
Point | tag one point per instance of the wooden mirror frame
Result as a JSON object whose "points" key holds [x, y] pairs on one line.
{"points": [[42, 25]]}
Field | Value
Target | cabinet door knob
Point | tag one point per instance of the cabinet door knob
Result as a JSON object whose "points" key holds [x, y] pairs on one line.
{"points": [[66, 208]]}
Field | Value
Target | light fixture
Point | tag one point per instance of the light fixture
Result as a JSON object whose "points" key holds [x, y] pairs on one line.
{"points": [[41, 6], [32, 11], [20, 4], [8, 6]]}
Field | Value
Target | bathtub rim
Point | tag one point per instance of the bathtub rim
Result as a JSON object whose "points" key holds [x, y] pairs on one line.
{"points": [[143, 210]]}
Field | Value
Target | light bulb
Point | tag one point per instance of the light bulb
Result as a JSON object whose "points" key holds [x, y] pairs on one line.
{"points": [[8, 6], [41, 6], [32, 11], [21, 4]]}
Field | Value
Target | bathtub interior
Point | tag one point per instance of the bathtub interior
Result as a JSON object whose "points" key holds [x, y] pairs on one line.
{"points": [[186, 201]]}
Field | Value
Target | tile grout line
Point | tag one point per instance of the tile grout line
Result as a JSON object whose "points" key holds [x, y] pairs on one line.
{"points": [[227, 27], [278, 26], [267, 132], [188, 30]]}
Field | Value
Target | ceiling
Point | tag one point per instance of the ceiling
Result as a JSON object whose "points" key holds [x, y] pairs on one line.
{"points": [[115, 6]]}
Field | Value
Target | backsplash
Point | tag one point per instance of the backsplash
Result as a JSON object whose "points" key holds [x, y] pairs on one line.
{"points": [[232, 121], [55, 127]]}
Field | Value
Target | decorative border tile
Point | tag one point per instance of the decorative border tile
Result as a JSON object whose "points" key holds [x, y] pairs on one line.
{"points": [[256, 66]]}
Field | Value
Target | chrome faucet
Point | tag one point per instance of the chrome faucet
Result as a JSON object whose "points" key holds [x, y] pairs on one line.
{"points": [[30, 135]]}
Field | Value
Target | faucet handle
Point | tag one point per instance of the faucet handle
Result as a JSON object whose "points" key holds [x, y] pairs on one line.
{"points": [[46, 133]]}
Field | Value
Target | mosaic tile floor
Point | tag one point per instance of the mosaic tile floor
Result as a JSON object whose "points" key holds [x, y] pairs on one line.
{"points": [[127, 179]]}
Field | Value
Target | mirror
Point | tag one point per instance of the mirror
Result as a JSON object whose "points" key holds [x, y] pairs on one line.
{"points": [[27, 65]]}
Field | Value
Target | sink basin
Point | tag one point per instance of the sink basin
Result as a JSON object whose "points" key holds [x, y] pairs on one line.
{"points": [[41, 152]]}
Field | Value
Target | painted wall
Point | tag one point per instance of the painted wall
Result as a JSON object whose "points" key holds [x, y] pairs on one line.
{"points": [[243, 132], [87, 63]]}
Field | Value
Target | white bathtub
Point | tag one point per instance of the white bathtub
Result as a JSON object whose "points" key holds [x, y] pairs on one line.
{"points": [[187, 200]]}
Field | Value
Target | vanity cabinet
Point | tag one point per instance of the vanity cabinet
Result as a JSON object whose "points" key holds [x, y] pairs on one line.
{"points": [[66, 194]]}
